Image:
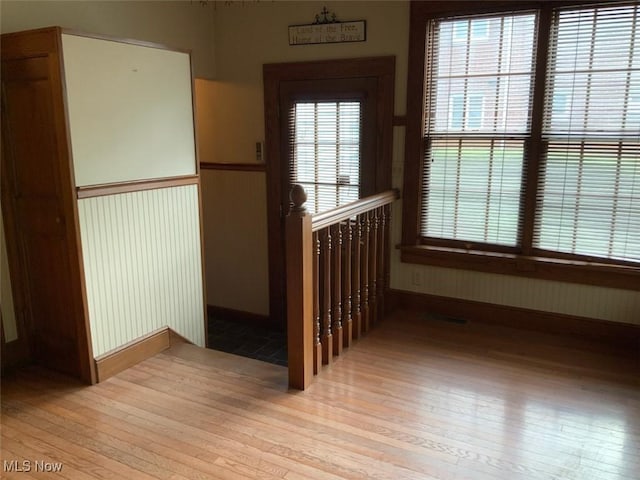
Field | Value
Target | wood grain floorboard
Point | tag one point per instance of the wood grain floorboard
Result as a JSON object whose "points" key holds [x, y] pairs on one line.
{"points": [[417, 398]]}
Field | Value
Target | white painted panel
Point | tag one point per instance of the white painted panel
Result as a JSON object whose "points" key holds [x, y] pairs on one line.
{"points": [[130, 111], [142, 262]]}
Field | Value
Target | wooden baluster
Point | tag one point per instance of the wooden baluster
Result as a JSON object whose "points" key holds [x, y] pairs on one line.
{"points": [[336, 329], [299, 269], [373, 267], [382, 264], [317, 349], [364, 275], [387, 249], [347, 323], [356, 227], [327, 339]]}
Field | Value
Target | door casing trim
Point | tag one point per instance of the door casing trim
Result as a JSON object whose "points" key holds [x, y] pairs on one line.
{"points": [[381, 68]]}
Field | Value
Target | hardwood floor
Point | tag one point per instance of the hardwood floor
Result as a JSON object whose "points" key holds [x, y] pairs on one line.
{"points": [[418, 398]]}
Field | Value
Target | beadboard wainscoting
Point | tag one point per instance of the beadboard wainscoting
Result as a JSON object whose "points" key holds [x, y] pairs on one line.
{"points": [[143, 265], [586, 301]]}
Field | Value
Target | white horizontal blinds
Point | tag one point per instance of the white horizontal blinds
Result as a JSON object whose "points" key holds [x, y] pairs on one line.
{"points": [[589, 200], [477, 118], [326, 152]]}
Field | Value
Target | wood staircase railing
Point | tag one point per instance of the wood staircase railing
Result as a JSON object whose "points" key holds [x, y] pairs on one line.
{"points": [[337, 277]]}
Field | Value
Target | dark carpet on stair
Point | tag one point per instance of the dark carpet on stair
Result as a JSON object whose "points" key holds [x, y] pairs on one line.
{"points": [[261, 343]]}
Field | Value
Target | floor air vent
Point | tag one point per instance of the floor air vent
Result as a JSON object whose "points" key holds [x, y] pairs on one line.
{"points": [[444, 318]]}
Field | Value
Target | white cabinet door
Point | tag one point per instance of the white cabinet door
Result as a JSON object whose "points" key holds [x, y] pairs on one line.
{"points": [[130, 111]]}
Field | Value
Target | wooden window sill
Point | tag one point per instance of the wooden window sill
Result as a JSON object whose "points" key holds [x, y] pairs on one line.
{"points": [[572, 271]]}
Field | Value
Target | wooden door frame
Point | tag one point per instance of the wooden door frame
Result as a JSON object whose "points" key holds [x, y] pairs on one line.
{"points": [[380, 68], [16, 352], [47, 42]]}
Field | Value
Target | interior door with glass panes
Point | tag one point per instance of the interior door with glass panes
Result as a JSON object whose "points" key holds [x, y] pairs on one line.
{"points": [[329, 141], [325, 151], [332, 135]]}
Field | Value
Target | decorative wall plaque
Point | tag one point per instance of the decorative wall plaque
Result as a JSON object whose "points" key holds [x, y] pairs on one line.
{"points": [[327, 29]]}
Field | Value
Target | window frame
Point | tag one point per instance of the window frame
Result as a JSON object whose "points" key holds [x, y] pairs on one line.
{"points": [[524, 260]]}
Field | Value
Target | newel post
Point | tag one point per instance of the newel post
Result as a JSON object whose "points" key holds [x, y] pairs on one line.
{"points": [[299, 258]]}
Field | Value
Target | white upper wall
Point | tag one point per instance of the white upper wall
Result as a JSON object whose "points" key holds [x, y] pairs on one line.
{"points": [[179, 24], [249, 35], [182, 25]]}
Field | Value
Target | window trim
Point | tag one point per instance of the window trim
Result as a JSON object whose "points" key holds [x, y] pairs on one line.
{"points": [[526, 261]]}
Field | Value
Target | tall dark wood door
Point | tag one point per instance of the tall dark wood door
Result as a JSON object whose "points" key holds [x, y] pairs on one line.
{"points": [[39, 215], [333, 138]]}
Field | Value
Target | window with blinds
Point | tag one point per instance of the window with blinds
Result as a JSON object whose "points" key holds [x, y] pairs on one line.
{"points": [[325, 141], [524, 157], [477, 119], [589, 195]]}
